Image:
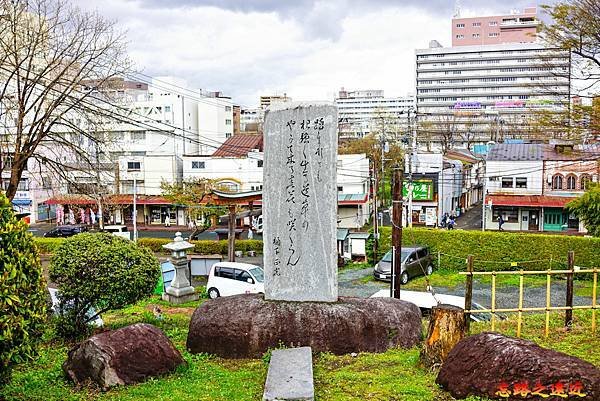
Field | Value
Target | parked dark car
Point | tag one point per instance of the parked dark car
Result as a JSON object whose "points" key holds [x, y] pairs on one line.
{"points": [[66, 231], [416, 261]]}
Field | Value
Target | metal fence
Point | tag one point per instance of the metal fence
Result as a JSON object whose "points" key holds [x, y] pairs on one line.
{"points": [[570, 273]]}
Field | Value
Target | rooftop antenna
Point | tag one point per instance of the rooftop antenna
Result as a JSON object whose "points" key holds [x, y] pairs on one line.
{"points": [[457, 7]]}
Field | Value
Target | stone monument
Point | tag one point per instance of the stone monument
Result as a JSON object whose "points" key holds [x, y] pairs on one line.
{"points": [[180, 290], [300, 202], [301, 306]]}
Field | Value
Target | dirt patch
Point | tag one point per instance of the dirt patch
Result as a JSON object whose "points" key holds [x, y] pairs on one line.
{"points": [[188, 311]]}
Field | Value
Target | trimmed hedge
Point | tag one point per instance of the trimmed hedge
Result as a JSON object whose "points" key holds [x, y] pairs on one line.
{"points": [[493, 246], [204, 247], [47, 245]]}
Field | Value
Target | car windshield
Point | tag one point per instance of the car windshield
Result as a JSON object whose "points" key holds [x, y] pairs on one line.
{"points": [[258, 274], [388, 256]]}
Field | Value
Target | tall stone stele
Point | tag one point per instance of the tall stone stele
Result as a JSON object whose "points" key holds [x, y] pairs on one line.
{"points": [[300, 202], [180, 290]]}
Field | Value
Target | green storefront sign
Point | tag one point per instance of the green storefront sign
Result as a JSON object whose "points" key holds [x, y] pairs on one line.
{"points": [[421, 191]]}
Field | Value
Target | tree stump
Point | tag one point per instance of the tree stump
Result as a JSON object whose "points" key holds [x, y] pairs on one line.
{"points": [[446, 329]]}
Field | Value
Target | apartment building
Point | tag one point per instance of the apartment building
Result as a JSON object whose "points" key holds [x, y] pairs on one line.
{"points": [[469, 95], [361, 112], [515, 27]]}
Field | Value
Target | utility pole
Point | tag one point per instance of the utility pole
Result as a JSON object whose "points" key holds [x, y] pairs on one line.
{"points": [[397, 229], [413, 142], [135, 233], [375, 215]]}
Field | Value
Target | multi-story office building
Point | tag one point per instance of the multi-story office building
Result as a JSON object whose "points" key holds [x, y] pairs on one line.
{"points": [[474, 94], [493, 84], [361, 112], [515, 27]]}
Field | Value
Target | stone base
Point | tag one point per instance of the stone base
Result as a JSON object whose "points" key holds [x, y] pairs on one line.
{"points": [[178, 300], [290, 376], [246, 326]]}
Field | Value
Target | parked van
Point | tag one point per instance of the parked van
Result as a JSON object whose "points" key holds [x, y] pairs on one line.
{"points": [[231, 278]]}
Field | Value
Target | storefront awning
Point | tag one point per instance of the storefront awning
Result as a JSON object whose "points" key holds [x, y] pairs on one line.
{"points": [[352, 199], [529, 200], [21, 202]]}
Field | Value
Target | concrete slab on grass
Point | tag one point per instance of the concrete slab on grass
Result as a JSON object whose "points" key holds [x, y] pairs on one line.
{"points": [[290, 376]]}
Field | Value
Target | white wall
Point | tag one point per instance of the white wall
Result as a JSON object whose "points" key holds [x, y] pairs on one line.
{"points": [[353, 173], [213, 130], [243, 171], [532, 170]]}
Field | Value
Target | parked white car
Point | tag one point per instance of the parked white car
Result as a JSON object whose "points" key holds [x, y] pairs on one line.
{"points": [[425, 301], [118, 230], [231, 278], [98, 322]]}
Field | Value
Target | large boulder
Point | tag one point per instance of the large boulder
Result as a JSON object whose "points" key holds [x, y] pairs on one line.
{"points": [[124, 356], [500, 367], [246, 326]]}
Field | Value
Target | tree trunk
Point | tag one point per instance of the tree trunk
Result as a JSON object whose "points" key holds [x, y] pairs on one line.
{"points": [[446, 328]]}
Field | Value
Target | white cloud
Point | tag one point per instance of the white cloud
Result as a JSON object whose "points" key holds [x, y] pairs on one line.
{"points": [[308, 53]]}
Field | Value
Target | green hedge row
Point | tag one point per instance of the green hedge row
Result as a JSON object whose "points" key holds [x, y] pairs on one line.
{"points": [[206, 247], [494, 250]]}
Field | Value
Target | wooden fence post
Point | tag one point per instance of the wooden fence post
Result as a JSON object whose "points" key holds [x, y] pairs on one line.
{"points": [[469, 293], [569, 303]]}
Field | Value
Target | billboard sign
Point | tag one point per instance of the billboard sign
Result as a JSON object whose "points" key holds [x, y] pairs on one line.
{"points": [[422, 190]]}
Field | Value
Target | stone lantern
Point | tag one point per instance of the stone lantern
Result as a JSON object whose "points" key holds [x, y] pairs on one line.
{"points": [[180, 290]]}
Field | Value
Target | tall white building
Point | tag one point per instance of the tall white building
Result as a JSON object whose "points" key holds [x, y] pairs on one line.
{"points": [[473, 94], [362, 111]]}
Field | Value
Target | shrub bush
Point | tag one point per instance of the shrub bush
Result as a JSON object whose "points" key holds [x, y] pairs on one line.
{"points": [[22, 291], [205, 247], [456, 245], [102, 271], [48, 245]]}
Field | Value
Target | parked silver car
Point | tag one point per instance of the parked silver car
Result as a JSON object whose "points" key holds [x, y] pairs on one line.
{"points": [[416, 261]]}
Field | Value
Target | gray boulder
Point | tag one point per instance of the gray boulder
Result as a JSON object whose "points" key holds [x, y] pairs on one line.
{"points": [[124, 356], [500, 367], [246, 326]]}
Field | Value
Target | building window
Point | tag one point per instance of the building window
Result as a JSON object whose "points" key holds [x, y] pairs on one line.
{"points": [[340, 189], [259, 163], [493, 23], [571, 182], [521, 182], [460, 25], [138, 136], [493, 34], [23, 185], [227, 122], [460, 36], [167, 109], [227, 108], [475, 35], [228, 135], [585, 181], [476, 24], [507, 182], [134, 166], [509, 214], [557, 182], [197, 164]]}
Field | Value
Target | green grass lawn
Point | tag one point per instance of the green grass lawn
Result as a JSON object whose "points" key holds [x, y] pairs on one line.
{"points": [[393, 375]]}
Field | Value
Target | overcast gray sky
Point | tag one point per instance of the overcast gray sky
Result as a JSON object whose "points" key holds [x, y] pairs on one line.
{"points": [[308, 49]]}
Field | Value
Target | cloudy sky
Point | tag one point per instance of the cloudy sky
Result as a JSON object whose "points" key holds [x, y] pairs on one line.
{"points": [[308, 49]]}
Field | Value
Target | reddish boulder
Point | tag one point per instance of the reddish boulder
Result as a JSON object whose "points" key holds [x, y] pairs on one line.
{"points": [[124, 356], [500, 367], [246, 326]]}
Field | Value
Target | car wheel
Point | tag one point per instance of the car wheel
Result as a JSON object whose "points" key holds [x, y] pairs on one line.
{"points": [[429, 270], [213, 293], [404, 278]]}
